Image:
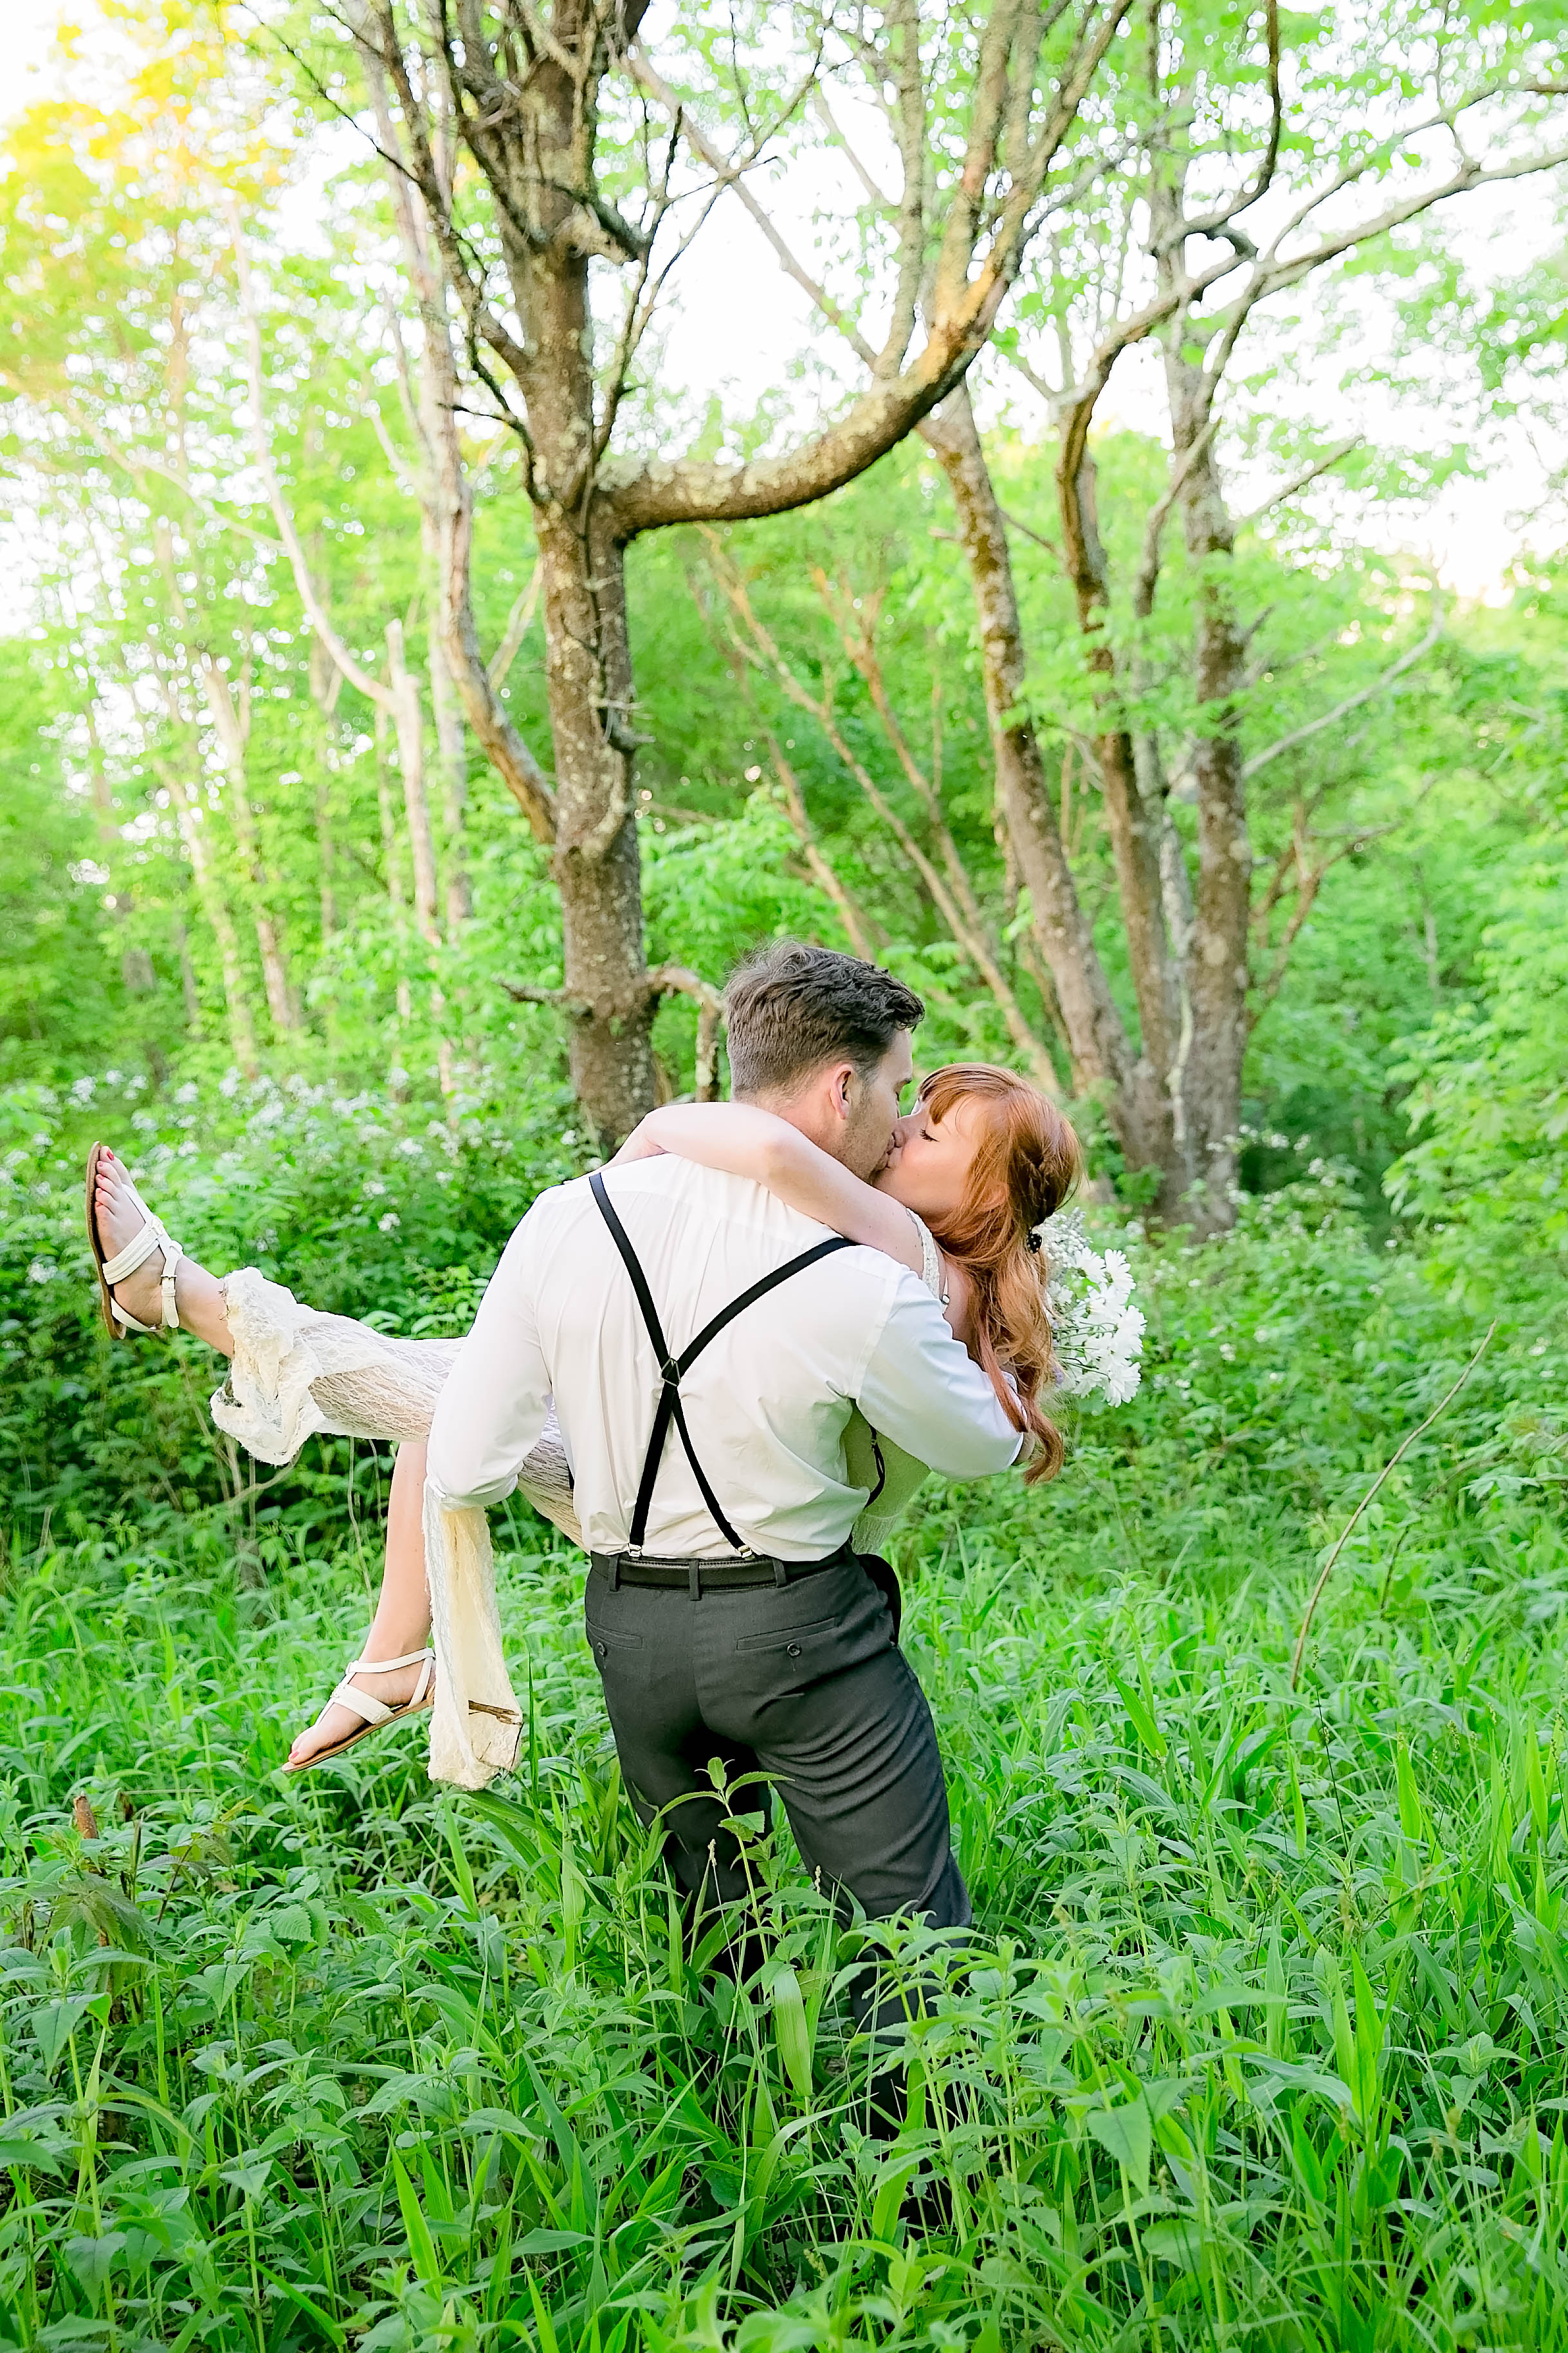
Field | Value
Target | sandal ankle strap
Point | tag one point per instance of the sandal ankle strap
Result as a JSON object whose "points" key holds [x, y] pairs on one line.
{"points": [[154, 1235], [384, 1666]]}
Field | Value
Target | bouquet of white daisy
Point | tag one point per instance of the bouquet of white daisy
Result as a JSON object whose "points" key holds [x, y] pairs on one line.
{"points": [[1089, 1293]]}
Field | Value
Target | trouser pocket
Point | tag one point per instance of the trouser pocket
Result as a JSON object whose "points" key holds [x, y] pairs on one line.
{"points": [[623, 1653]]}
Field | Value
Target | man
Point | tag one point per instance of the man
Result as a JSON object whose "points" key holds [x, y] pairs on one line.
{"points": [[727, 1615]]}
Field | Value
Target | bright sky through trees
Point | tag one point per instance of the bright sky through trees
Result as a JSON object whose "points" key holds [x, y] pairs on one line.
{"points": [[731, 294]]}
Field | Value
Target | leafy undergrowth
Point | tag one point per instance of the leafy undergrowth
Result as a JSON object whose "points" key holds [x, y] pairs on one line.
{"points": [[1263, 2038]]}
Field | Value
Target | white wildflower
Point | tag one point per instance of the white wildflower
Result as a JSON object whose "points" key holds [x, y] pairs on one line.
{"points": [[83, 1089], [42, 1270], [390, 1223], [1099, 1332]]}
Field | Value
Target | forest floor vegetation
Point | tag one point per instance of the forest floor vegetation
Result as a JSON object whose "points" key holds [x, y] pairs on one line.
{"points": [[1261, 2039]]}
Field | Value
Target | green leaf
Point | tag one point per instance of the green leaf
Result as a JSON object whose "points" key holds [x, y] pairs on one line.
{"points": [[890, 2197], [1412, 1821], [1309, 2165], [1369, 2031], [550, 2243], [1276, 1985], [55, 2023], [1297, 1809], [1535, 1783], [790, 2031], [93, 2260], [249, 2176], [462, 1870], [1125, 2133], [29, 2152], [1180, 2242], [1140, 1715], [421, 2245]]}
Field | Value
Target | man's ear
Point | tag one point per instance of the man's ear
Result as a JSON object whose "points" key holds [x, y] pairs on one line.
{"points": [[840, 1088]]}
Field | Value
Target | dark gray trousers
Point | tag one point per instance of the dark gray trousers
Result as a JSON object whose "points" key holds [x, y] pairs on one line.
{"points": [[804, 1683]]}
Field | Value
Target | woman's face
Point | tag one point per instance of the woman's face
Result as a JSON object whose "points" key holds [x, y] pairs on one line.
{"points": [[929, 1165]]}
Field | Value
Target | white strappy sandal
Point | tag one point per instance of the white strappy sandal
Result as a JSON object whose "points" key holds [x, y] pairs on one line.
{"points": [[375, 1712], [154, 1236]]}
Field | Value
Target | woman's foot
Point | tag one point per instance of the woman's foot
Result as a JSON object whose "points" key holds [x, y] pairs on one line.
{"points": [[120, 1218], [394, 1686]]}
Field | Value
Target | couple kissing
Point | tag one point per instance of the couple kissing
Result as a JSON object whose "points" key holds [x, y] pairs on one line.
{"points": [[721, 1363]]}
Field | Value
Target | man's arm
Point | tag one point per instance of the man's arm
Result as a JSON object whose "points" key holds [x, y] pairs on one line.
{"points": [[492, 1408], [922, 1390]]}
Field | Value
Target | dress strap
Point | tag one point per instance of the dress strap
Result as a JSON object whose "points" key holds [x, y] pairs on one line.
{"points": [[933, 1267]]}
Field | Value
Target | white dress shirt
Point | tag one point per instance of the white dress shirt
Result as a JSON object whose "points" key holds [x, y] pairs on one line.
{"points": [[766, 1402]]}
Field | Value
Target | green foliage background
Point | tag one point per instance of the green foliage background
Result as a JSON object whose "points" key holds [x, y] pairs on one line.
{"points": [[1262, 2038]]}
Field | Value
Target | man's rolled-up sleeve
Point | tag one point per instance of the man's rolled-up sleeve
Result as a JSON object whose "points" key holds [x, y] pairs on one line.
{"points": [[492, 1408], [922, 1390]]}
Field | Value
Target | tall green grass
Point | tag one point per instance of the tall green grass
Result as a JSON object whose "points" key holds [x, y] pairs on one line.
{"points": [[1262, 2039]]}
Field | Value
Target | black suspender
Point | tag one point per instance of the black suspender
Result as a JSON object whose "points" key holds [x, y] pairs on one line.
{"points": [[672, 1368]]}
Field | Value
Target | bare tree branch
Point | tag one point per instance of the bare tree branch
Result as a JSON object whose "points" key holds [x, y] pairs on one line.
{"points": [[1218, 223], [1299, 482], [1146, 579], [374, 690], [518, 623], [678, 980], [962, 311], [1380, 685], [857, 927], [952, 911]]}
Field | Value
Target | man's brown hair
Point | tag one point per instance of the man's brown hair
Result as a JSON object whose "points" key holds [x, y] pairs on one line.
{"points": [[792, 1008]]}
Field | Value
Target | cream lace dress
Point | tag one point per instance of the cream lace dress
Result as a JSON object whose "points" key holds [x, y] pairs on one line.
{"points": [[296, 1371]]}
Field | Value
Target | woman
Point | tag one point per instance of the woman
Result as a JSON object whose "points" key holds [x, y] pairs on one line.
{"points": [[982, 1160]]}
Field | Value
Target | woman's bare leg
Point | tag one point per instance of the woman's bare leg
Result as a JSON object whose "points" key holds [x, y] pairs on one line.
{"points": [[402, 1620]]}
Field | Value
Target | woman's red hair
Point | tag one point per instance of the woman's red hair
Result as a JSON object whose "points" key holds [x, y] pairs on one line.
{"points": [[1026, 1162]]}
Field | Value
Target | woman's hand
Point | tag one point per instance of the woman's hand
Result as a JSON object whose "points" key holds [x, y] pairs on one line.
{"points": [[639, 1144]]}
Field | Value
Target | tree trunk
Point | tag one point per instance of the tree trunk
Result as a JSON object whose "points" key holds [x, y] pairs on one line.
{"points": [[1135, 830], [190, 993], [1105, 1063], [231, 724], [1218, 970], [452, 754], [214, 907], [326, 684], [588, 677], [408, 717], [326, 853]]}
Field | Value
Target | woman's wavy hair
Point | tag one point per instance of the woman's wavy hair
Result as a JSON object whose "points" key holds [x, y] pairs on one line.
{"points": [[1026, 1162]]}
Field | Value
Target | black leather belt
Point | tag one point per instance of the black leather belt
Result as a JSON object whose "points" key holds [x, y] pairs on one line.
{"points": [[709, 1576]]}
